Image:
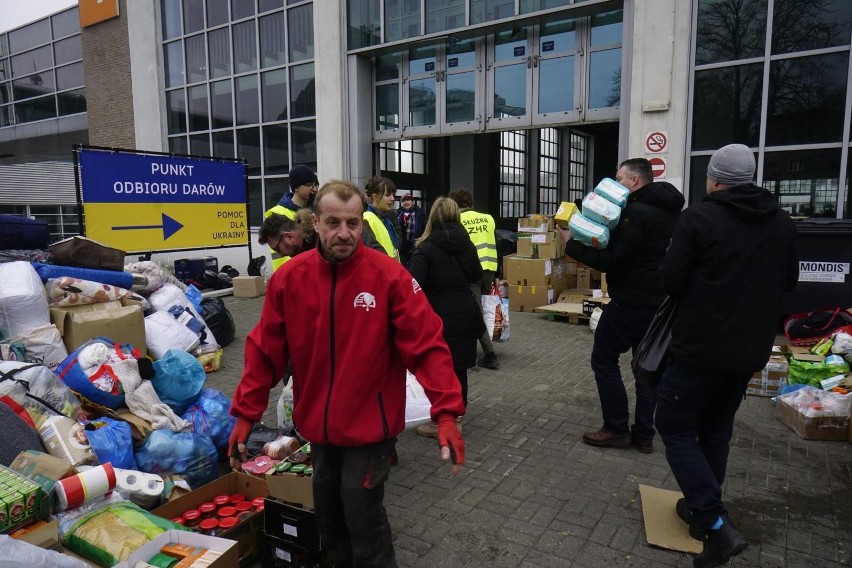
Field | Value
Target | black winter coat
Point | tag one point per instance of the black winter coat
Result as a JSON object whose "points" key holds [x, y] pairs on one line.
{"points": [[445, 265], [732, 258], [637, 245]]}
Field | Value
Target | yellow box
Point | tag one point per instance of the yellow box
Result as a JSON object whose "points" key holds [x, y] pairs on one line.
{"points": [[564, 213]]}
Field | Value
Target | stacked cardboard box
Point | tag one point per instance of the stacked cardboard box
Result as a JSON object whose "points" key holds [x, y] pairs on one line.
{"points": [[536, 282]]}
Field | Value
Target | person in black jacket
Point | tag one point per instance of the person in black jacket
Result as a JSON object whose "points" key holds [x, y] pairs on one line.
{"points": [[731, 259], [445, 263], [631, 262]]}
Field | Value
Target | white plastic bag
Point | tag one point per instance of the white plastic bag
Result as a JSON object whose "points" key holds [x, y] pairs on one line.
{"points": [[594, 319], [842, 343], [164, 332], [23, 300], [417, 407], [285, 408], [495, 312], [44, 346], [20, 554]]}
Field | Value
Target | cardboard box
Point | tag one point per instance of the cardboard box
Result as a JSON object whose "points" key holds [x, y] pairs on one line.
{"points": [[770, 380], [191, 268], [43, 469], [228, 549], [44, 536], [277, 553], [247, 532], [121, 321], [535, 224], [588, 277], [520, 271], [249, 286], [527, 298], [292, 524], [564, 213], [540, 245], [292, 488], [812, 428]]}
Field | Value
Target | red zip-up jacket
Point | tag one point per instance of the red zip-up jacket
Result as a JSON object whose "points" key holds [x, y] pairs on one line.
{"points": [[351, 329]]}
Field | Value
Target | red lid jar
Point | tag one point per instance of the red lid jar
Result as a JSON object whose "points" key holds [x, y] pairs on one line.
{"points": [[227, 523], [208, 525], [178, 520], [257, 502], [191, 518], [242, 506], [226, 512], [236, 498], [221, 500], [207, 510]]}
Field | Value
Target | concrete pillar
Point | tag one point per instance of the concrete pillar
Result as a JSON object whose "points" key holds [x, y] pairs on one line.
{"points": [[331, 84], [146, 59]]}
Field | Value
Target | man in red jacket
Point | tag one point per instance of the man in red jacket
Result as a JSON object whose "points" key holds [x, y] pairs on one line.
{"points": [[351, 320]]}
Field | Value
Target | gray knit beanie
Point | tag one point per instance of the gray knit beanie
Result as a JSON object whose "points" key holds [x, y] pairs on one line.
{"points": [[732, 165]]}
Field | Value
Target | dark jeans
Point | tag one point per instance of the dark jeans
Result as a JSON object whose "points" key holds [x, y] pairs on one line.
{"points": [[695, 418], [349, 490], [461, 375], [619, 329]]}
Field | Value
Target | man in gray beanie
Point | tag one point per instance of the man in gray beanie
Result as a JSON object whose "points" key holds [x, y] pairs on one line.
{"points": [[731, 259]]}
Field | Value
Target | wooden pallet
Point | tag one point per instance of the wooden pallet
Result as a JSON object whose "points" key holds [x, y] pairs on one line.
{"points": [[570, 312]]}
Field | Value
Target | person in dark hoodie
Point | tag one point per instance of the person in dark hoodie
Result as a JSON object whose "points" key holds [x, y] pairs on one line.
{"points": [[631, 262], [731, 259], [303, 185], [445, 263]]}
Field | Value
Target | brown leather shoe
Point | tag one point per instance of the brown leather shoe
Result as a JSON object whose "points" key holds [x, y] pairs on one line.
{"points": [[644, 445], [603, 438]]}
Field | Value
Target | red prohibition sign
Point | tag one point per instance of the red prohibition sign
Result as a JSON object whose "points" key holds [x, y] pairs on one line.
{"points": [[656, 142]]}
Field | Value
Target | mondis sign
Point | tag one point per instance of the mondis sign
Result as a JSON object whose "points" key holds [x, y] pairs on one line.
{"points": [[150, 202]]}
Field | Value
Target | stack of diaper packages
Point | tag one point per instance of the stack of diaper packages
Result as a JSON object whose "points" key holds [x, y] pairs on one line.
{"points": [[600, 213]]}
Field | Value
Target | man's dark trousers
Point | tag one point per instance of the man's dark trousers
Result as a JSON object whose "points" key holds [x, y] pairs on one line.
{"points": [[695, 418], [621, 328], [349, 491]]}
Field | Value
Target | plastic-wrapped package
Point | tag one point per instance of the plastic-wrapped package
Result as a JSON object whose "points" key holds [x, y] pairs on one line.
{"points": [[601, 210], [210, 415], [588, 232], [170, 295], [38, 390], [815, 414], [178, 379], [112, 441], [190, 455], [69, 291], [44, 346], [23, 300], [20, 554], [811, 373], [613, 191], [842, 344], [156, 275], [164, 332]]}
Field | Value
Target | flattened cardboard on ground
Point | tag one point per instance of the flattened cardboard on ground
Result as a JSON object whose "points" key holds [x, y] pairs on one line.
{"points": [[663, 527]]}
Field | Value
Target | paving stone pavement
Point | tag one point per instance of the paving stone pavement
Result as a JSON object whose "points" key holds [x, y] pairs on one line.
{"points": [[533, 495]]}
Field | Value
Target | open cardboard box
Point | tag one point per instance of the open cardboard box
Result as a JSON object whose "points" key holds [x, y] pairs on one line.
{"points": [[291, 488], [228, 548], [120, 320]]}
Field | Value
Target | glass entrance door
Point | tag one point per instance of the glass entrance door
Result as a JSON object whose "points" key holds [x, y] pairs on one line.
{"points": [[557, 75], [509, 83], [422, 87], [461, 78]]}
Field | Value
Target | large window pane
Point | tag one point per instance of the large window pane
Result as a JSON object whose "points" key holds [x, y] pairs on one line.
{"points": [[444, 15], [193, 16], [69, 76], [198, 118], [276, 188], [510, 45], [302, 94], [276, 157], [557, 37], [66, 23], [174, 64], [806, 99], [726, 106], [199, 144], [267, 5], [274, 93], [510, 92], [223, 144], [607, 28], [245, 52], [221, 98], [4, 70], [217, 12], [805, 182], [248, 148], [402, 19], [528, 6], [176, 108], [698, 179], [300, 28], [35, 85], [305, 143], [32, 61], [605, 78], [219, 47], [460, 54], [247, 103], [364, 23], [421, 102], [68, 49], [728, 31], [172, 26], [273, 40], [36, 109], [241, 9], [5, 93], [196, 66], [71, 102], [178, 145], [387, 106], [387, 67], [254, 188], [29, 36], [7, 117], [461, 97], [422, 60], [487, 10], [556, 85], [799, 26]]}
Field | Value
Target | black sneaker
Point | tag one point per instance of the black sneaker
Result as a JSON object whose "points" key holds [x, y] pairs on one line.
{"points": [[720, 546], [489, 361], [685, 515], [644, 445]]}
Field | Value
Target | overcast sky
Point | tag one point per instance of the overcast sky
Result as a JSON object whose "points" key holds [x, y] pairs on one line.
{"points": [[15, 13]]}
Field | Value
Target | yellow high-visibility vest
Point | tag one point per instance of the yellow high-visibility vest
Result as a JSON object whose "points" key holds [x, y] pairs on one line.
{"points": [[279, 259], [480, 229], [381, 233]]}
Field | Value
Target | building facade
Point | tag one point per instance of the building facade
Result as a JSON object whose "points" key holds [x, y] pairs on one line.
{"points": [[525, 102]]}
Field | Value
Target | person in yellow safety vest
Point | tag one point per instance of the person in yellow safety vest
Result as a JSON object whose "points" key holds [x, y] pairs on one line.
{"points": [[303, 186], [480, 228], [380, 229], [286, 236]]}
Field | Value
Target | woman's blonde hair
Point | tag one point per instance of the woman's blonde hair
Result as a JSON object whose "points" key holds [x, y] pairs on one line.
{"points": [[443, 211]]}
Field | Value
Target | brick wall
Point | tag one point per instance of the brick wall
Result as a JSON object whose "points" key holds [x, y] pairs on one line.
{"points": [[106, 59]]}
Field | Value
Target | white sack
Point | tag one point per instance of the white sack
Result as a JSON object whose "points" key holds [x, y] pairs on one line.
{"points": [[164, 332], [44, 346], [170, 295], [23, 300]]}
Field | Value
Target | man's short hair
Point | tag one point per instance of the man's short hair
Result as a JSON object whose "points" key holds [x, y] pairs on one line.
{"points": [[342, 189], [462, 197], [273, 226], [641, 167]]}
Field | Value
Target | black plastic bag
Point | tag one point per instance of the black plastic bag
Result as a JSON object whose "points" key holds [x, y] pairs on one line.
{"points": [[651, 355], [255, 267], [219, 320]]}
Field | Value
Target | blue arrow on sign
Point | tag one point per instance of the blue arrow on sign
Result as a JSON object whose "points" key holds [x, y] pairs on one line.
{"points": [[169, 227]]}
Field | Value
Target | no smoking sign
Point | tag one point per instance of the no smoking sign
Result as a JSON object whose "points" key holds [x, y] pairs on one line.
{"points": [[656, 142]]}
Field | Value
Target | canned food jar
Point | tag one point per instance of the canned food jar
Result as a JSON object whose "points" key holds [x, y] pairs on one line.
{"points": [[227, 523], [236, 498], [226, 512], [242, 506], [257, 502], [209, 526], [207, 510], [221, 500], [191, 518]]}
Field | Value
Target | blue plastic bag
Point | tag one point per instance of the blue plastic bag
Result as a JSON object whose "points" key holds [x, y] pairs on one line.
{"points": [[210, 415], [178, 379], [75, 378], [193, 294], [112, 441], [190, 455]]}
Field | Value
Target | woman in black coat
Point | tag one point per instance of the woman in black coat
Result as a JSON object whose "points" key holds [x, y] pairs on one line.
{"points": [[445, 263]]}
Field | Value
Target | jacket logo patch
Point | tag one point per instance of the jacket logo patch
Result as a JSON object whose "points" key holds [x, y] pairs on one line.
{"points": [[365, 300], [415, 286]]}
